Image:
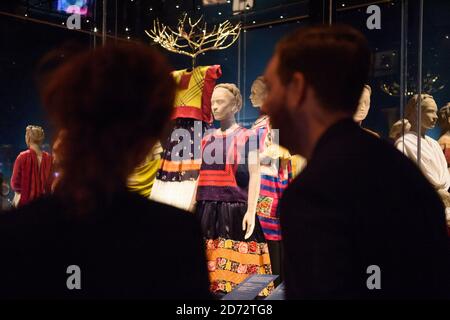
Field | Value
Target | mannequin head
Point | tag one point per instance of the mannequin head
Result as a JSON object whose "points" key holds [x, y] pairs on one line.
{"points": [[428, 112], [34, 135], [444, 117], [258, 92], [226, 100], [363, 105]]}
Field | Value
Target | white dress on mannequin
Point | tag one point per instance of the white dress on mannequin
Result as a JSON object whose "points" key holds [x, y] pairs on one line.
{"points": [[433, 163]]}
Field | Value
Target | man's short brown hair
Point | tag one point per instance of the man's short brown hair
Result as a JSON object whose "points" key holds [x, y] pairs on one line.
{"points": [[334, 60]]}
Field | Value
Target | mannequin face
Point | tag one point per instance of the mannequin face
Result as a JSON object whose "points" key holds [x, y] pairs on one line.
{"points": [[363, 106], [223, 104], [429, 113], [258, 94]]}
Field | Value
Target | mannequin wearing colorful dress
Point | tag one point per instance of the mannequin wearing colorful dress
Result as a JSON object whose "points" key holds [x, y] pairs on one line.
{"points": [[227, 195], [177, 176]]}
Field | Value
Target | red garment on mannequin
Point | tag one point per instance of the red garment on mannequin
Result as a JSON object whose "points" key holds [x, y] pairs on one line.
{"points": [[30, 180]]}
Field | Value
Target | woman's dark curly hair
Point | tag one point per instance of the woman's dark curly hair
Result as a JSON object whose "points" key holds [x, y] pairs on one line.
{"points": [[112, 104]]}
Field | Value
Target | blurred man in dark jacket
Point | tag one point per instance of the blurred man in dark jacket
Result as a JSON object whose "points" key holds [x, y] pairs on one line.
{"points": [[360, 222]]}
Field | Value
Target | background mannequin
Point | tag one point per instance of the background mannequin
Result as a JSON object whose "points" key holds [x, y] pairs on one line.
{"points": [[433, 163], [398, 128], [363, 108], [258, 92], [32, 176], [4, 191], [276, 173], [227, 195], [444, 123]]}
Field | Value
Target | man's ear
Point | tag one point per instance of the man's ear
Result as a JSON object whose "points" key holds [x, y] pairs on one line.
{"points": [[296, 90]]}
